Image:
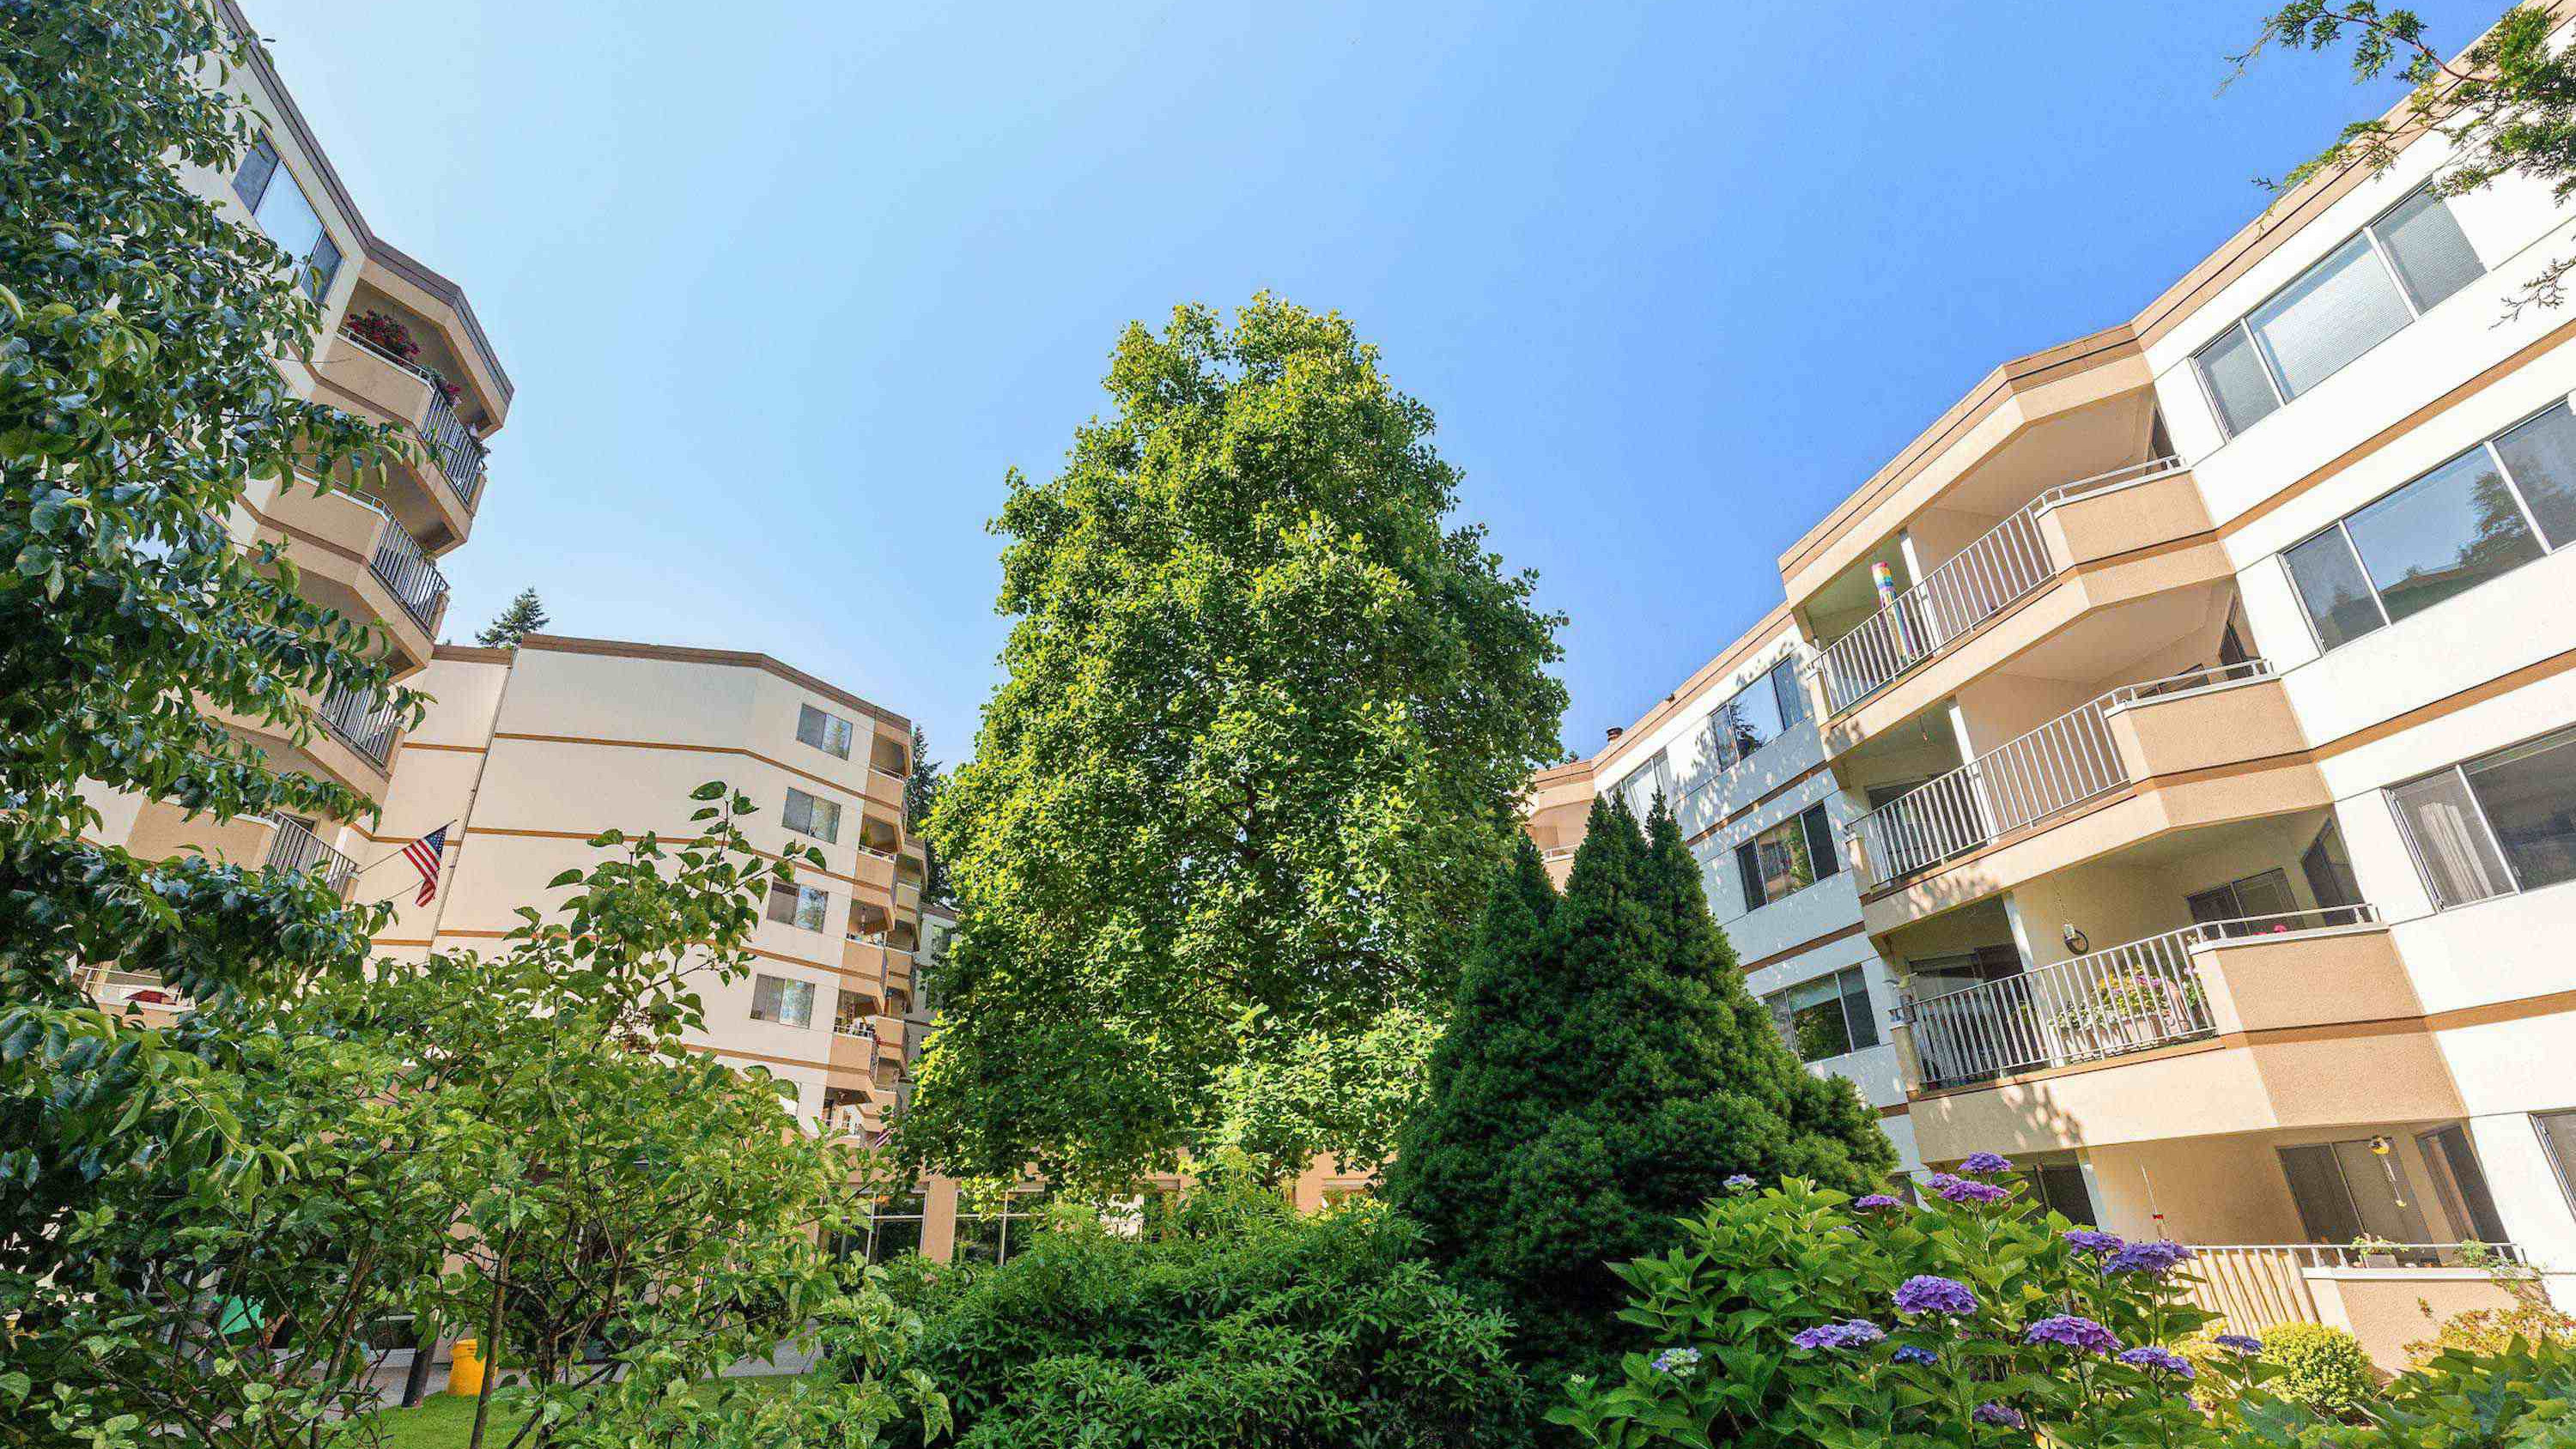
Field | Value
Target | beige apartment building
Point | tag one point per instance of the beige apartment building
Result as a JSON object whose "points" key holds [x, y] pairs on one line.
{"points": [[400, 345], [2184, 798], [528, 754]]}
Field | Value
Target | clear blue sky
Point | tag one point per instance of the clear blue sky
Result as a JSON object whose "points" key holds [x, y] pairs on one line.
{"points": [[785, 285]]}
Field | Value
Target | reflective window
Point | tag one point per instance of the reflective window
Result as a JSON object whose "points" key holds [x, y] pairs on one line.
{"points": [[279, 205], [2450, 838], [801, 906], [2529, 796], [1826, 1017], [826, 732], [807, 815], [2446, 532], [1642, 783], [1787, 858], [1757, 714], [2356, 297], [783, 1000]]}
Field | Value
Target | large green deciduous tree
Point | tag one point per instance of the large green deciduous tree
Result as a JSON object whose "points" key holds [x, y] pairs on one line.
{"points": [[1266, 709], [1604, 1072], [2506, 106]]}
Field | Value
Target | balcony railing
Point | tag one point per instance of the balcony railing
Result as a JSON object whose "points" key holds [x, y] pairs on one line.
{"points": [[364, 722], [2059, 765], [2257, 1287], [460, 453], [1970, 587], [2146, 993], [294, 850], [409, 573]]}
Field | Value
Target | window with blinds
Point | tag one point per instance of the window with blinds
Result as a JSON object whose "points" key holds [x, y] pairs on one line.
{"points": [[2361, 294]]}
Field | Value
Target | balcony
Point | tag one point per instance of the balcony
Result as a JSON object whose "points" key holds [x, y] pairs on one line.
{"points": [[410, 575], [294, 850], [2188, 749], [2094, 544], [364, 722], [2387, 1295], [356, 557], [2230, 1028], [394, 390]]}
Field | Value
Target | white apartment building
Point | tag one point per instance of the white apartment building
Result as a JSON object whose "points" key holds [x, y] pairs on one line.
{"points": [[2197, 732]]}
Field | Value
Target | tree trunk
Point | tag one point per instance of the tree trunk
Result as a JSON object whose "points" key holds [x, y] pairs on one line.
{"points": [[491, 1347]]}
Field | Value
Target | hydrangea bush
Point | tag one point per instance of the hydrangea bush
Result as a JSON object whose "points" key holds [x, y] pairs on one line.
{"points": [[1801, 1316]]}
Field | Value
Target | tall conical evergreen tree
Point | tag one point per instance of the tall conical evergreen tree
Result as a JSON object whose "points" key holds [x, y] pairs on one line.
{"points": [[1650, 1076]]}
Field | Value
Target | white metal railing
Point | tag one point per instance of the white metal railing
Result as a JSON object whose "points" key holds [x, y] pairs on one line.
{"points": [[1965, 590], [2061, 764], [2141, 994], [460, 453], [295, 850], [367, 722], [408, 572]]}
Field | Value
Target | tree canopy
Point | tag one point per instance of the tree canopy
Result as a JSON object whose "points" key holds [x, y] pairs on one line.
{"points": [[1266, 707], [522, 616]]}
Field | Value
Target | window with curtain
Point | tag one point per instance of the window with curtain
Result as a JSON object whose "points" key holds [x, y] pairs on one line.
{"points": [[783, 1000], [2487, 512], [807, 815], [2359, 295], [2495, 825], [1826, 1017], [823, 730], [1787, 858], [278, 203]]}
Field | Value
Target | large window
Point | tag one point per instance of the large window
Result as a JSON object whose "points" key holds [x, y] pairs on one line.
{"points": [[2346, 1189], [1757, 715], [893, 1229], [2495, 825], [1788, 857], [2359, 296], [783, 1000], [804, 907], [2252, 899], [1639, 788], [2489, 511], [279, 205], [993, 1236], [1826, 1017], [824, 731], [808, 816]]}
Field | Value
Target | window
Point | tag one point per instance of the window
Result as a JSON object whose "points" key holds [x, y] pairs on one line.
{"points": [[2460, 1181], [1826, 1017], [1639, 788], [2250, 899], [2328, 867], [2489, 511], [893, 1229], [826, 732], [783, 1000], [278, 204], [2345, 1189], [2496, 825], [808, 816], [2059, 1188], [1757, 715], [803, 907], [1788, 857], [988, 1237], [2558, 1138], [2359, 296]]}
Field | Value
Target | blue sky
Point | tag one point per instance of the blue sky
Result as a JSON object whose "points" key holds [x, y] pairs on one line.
{"points": [[786, 285]]}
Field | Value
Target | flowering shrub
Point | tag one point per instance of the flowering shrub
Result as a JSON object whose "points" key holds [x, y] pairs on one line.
{"points": [[1799, 1316], [383, 331]]}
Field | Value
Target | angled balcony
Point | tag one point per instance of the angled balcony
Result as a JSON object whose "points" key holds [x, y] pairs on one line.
{"points": [[2091, 545], [447, 483], [356, 557], [2192, 749]]}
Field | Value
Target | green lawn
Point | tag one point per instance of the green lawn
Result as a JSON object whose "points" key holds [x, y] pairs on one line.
{"points": [[444, 1422]]}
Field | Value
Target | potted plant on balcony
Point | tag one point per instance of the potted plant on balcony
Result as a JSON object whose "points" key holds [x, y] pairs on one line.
{"points": [[2129, 1010], [380, 331]]}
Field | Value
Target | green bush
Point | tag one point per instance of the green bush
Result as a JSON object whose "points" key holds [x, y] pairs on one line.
{"points": [[2322, 1368], [2520, 1397], [1226, 1321]]}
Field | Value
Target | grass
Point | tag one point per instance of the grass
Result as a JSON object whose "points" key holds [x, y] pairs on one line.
{"points": [[446, 1422]]}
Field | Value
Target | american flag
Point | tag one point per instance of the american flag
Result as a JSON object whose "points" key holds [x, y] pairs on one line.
{"points": [[425, 855]]}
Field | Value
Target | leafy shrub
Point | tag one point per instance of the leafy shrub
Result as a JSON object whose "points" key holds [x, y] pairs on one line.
{"points": [[1226, 1321], [2322, 1368], [2532, 1318], [1800, 1316], [2521, 1397]]}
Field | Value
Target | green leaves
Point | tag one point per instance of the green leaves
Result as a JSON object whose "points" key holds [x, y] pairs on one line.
{"points": [[1266, 707]]}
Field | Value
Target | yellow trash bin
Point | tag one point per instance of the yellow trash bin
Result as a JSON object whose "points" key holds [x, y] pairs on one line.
{"points": [[465, 1368]]}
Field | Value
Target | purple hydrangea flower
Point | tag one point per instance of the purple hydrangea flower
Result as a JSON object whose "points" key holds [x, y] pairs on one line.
{"points": [[2238, 1343], [2003, 1416], [1679, 1362], [1878, 1200], [1851, 1333], [1986, 1164], [2086, 1240], [2158, 1361], [2080, 1334], [1959, 1189], [2156, 1259], [1910, 1354], [1924, 1293], [1738, 1183]]}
